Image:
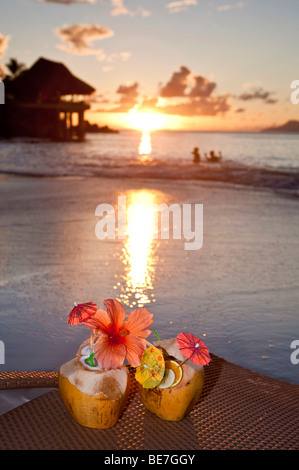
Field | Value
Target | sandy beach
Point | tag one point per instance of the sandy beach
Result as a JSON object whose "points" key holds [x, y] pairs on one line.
{"points": [[239, 292]]}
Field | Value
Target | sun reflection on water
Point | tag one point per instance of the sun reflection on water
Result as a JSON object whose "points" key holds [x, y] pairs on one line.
{"points": [[145, 146], [138, 253]]}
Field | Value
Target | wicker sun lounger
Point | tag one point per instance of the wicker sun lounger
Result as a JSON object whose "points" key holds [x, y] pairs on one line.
{"points": [[239, 410]]}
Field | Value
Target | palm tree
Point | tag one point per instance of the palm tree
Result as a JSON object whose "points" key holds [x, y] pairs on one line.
{"points": [[15, 68]]}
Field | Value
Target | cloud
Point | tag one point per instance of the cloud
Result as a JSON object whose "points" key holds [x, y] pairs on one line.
{"points": [[184, 94], [180, 5], [187, 94], [210, 106], [271, 101], [79, 38], [2, 71], [120, 9], [96, 99], [185, 83], [67, 2], [177, 84], [202, 88], [231, 7], [148, 105], [3, 44], [258, 94], [118, 55], [129, 95], [128, 99]]}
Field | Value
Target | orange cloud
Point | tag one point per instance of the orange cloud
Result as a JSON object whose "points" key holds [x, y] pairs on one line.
{"points": [[79, 38], [3, 44], [177, 84], [119, 9], [180, 5], [185, 94], [258, 94], [198, 93]]}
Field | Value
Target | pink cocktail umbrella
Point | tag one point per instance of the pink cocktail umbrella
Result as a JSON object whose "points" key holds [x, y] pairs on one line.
{"points": [[80, 314], [193, 348]]}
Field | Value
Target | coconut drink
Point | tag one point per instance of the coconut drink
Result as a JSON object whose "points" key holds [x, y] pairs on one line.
{"points": [[94, 385], [171, 390], [94, 397]]}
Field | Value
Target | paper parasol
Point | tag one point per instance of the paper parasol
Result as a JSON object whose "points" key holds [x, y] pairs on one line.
{"points": [[193, 348], [151, 371], [81, 312]]}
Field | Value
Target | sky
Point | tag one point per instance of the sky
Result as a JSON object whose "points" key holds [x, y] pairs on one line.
{"points": [[210, 65]]}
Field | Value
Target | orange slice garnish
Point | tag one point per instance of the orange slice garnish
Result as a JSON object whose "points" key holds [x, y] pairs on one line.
{"points": [[178, 371], [173, 375], [168, 379]]}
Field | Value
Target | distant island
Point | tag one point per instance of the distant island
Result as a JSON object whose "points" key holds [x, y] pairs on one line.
{"points": [[94, 128], [290, 126]]}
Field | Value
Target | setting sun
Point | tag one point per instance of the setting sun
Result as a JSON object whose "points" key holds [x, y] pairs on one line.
{"points": [[146, 121], [145, 146]]}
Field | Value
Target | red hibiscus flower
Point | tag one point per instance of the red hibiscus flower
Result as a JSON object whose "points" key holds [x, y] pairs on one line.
{"points": [[119, 338]]}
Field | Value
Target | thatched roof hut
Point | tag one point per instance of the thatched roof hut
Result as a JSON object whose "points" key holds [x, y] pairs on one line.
{"points": [[37, 104], [47, 81]]}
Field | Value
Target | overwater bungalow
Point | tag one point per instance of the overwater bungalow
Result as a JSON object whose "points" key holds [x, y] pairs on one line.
{"points": [[45, 101]]}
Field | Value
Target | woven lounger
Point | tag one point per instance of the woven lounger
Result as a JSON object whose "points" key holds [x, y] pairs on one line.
{"points": [[238, 409]]}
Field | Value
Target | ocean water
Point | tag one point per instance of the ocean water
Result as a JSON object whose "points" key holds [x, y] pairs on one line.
{"points": [[270, 160], [240, 292]]}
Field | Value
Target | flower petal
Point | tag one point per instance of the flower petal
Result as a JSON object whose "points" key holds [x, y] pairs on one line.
{"points": [[116, 313], [100, 322], [139, 320], [110, 356], [135, 347]]}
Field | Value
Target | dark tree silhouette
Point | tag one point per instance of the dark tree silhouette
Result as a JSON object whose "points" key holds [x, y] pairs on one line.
{"points": [[15, 68]]}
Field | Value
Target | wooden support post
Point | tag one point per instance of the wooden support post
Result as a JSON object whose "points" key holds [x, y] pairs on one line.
{"points": [[81, 125]]}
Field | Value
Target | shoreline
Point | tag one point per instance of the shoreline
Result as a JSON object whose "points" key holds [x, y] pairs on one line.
{"points": [[240, 175]]}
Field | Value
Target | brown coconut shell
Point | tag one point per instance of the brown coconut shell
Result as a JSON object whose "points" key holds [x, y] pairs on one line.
{"points": [[94, 398], [172, 404]]}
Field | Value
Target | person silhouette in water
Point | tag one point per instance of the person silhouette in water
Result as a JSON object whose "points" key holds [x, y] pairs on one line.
{"points": [[196, 155], [214, 158]]}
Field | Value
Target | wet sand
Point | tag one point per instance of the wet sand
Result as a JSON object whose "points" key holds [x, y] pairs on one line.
{"points": [[239, 292]]}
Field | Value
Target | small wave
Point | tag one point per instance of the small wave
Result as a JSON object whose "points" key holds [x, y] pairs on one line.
{"points": [[225, 172]]}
